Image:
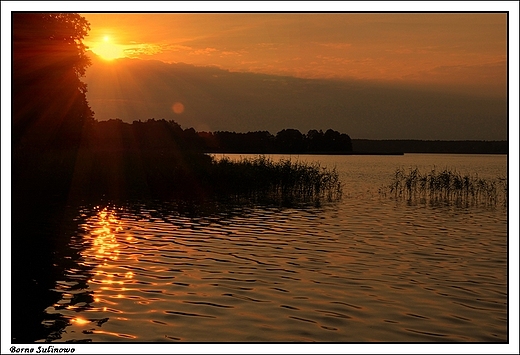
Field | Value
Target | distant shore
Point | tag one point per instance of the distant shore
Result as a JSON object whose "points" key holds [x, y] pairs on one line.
{"points": [[394, 147], [308, 153], [367, 146], [399, 147]]}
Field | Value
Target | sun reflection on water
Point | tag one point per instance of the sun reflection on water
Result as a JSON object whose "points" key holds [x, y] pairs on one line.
{"points": [[80, 321], [105, 251], [105, 243], [108, 280]]}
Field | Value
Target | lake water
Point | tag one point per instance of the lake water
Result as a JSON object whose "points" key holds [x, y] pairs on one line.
{"points": [[369, 268]]}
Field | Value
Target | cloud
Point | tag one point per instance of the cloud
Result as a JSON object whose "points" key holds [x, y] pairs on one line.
{"points": [[415, 50], [178, 48], [215, 99], [488, 78], [334, 59], [399, 44], [232, 53], [339, 45], [204, 51], [138, 49]]}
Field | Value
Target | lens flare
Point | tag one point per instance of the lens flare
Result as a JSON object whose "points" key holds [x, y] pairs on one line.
{"points": [[178, 108]]}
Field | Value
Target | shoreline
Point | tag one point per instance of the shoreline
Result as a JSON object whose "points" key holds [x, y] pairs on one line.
{"points": [[354, 153]]}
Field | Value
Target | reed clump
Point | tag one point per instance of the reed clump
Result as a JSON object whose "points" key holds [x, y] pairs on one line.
{"points": [[261, 178], [446, 186]]}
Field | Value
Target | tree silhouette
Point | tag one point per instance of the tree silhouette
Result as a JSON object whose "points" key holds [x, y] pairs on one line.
{"points": [[49, 106], [291, 140], [335, 141], [314, 140]]}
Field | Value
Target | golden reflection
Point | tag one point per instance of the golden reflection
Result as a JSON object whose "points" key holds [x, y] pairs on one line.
{"points": [[105, 244], [80, 321], [119, 335], [106, 241]]}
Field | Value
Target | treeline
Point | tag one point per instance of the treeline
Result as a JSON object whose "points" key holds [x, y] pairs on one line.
{"points": [[431, 146], [162, 134], [157, 159], [165, 135]]}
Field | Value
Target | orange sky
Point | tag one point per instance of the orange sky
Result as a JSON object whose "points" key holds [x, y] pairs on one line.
{"points": [[467, 51]]}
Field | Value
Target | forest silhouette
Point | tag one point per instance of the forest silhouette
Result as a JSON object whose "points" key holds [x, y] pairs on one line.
{"points": [[162, 134]]}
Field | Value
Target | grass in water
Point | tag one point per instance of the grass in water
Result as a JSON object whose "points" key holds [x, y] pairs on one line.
{"points": [[446, 186], [261, 178], [169, 175]]}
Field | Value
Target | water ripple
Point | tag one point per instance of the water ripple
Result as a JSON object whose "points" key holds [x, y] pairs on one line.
{"points": [[345, 272]]}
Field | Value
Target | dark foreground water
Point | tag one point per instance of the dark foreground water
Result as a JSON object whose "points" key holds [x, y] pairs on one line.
{"points": [[368, 268]]}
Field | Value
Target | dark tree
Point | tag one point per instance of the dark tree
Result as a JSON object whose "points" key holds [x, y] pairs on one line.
{"points": [[209, 141], [192, 141], [49, 106], [314, 140], [290, 141], [337, 142], [49, 112], [346, 142]]}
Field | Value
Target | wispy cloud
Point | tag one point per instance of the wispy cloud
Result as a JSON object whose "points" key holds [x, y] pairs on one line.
{"points": [[138, 49], [204, 51], [335, 45], [178, 48], [486, 78], [491, 69], [231, 53]]}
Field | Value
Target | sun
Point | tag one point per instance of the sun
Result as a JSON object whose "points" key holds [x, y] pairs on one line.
{"points": [[107, 50]]}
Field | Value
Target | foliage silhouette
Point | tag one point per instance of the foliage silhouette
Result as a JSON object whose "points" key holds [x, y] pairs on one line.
{"points": [[286, 141], [49, 105], [158, 159]]}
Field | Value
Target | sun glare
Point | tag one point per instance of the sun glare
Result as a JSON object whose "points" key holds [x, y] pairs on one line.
{"points": [[108, 50]]}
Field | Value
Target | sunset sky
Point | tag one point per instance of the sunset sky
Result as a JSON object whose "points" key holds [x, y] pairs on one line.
{"points": [[436, 73], [466, 51]]}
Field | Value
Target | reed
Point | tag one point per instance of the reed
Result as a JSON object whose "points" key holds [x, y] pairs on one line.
{"points": [[446, 186], [261, 178]]}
